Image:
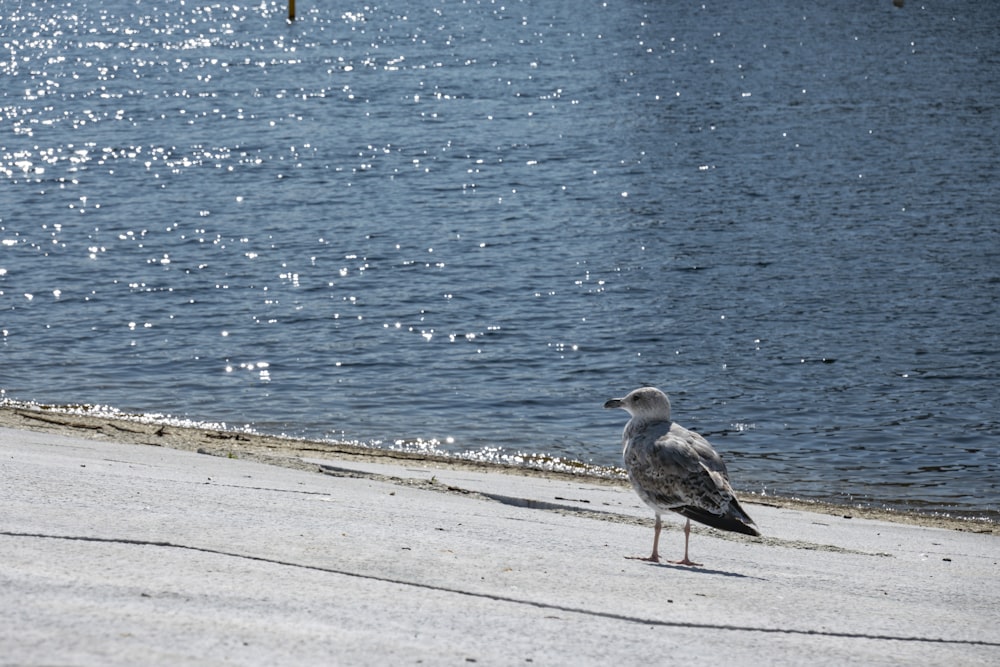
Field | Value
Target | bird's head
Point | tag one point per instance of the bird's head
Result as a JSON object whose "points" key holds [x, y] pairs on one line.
{"points": [[645, 403]]}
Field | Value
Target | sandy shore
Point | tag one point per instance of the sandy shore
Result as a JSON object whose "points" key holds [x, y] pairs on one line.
{"points": [[221, 548], [288, 452]]}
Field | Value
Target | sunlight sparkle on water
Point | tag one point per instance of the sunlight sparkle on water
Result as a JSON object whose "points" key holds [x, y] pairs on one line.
{"points": [[154, 123]]}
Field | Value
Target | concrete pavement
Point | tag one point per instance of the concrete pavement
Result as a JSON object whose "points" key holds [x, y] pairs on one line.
{"points": [[115, 553]]}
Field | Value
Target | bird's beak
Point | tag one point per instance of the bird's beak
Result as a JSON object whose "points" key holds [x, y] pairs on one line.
{"points": [[613, 403]]}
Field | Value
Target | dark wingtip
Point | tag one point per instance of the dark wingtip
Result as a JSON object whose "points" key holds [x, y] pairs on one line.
{"points": [[729, 523]]}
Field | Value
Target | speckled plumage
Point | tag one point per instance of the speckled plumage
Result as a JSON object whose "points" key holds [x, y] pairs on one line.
{"points": [[672, 468]]}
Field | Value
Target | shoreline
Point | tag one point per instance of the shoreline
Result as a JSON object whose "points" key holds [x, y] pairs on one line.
{"points": [[289, 452]]}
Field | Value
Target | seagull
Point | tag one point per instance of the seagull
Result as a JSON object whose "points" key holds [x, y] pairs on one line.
{"points": [[672, 468]]}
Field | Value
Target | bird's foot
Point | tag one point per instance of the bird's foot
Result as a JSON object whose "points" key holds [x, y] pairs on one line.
{"points": [[685, 561]]}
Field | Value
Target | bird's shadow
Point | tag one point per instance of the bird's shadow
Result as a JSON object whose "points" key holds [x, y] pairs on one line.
{"points": [[702, 570]]}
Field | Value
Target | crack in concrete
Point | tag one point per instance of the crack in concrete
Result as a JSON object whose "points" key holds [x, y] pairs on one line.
{"points": [[715, 627]]}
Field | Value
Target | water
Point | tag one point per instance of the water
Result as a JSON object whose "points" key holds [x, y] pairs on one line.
{"points": [[462, 226]]}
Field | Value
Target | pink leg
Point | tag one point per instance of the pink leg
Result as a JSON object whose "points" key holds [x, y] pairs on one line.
{"points": [[655, 557], [687, 536]]}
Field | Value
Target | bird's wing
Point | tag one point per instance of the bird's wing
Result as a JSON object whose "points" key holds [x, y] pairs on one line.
{"points": [[675, 433], [673, 468], [711, 458], [670, 468]]}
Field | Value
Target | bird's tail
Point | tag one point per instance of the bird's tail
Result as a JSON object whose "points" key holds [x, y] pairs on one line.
{"points": [[735, 520]]}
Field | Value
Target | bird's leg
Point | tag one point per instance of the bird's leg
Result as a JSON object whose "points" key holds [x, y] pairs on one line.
{"points": [[687, 536], [655, 557]]}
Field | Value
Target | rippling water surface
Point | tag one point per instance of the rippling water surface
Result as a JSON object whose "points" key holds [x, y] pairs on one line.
{"points": [[463, 225]]}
